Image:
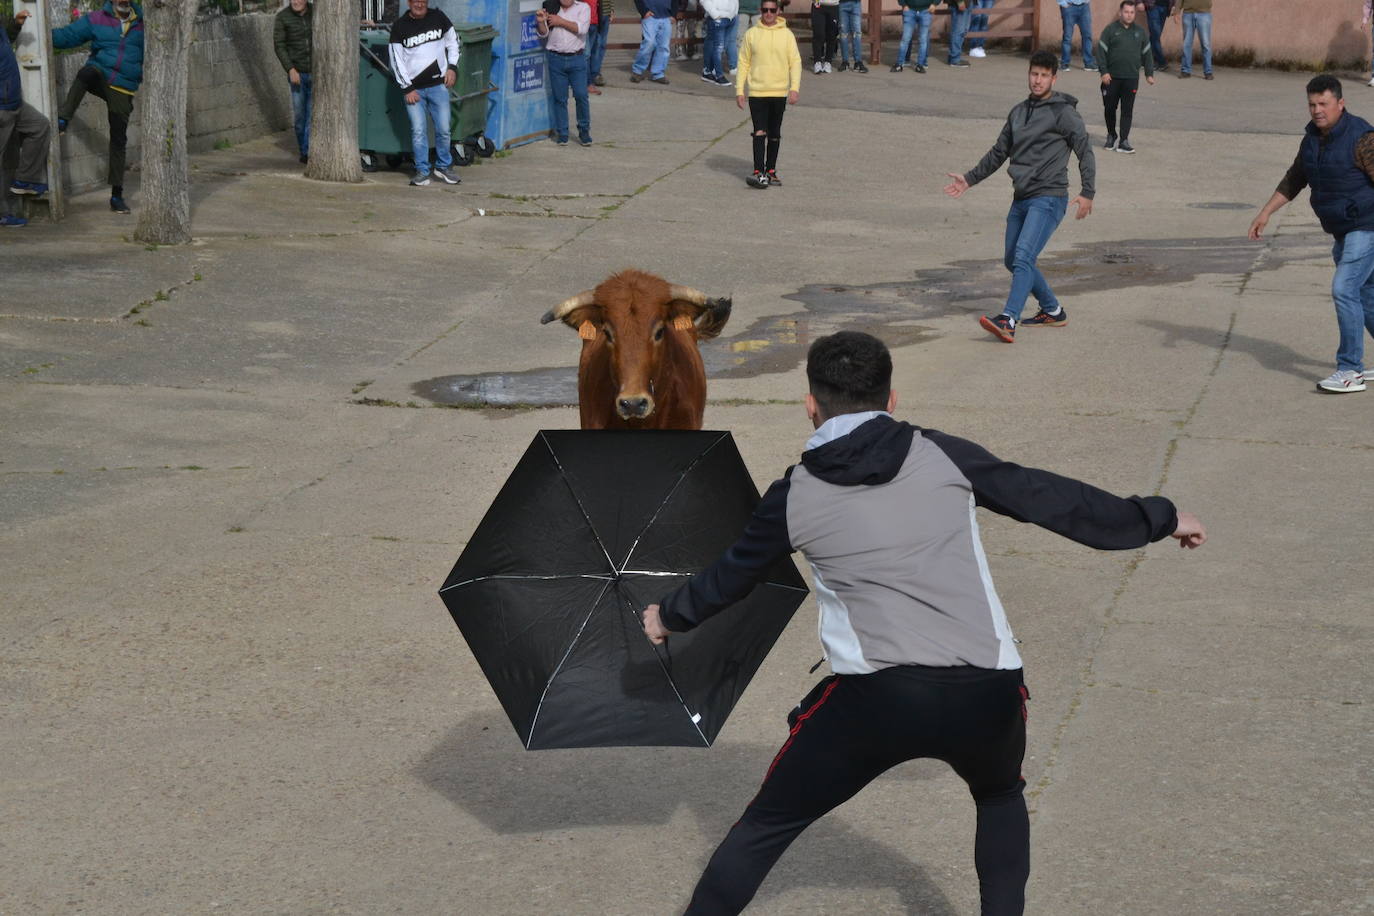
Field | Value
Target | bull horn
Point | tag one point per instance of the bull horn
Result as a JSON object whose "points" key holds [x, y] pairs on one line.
{"points": [[568, 306], [687, 294]]}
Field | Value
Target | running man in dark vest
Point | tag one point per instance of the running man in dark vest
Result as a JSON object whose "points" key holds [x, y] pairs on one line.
{"points": [[1336, 159]]}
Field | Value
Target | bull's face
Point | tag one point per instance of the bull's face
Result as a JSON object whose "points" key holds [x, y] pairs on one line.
{"points": [[636, 316]]}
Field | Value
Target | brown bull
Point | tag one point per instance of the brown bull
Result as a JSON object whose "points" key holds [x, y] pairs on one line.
{"points": [[640, 368]]}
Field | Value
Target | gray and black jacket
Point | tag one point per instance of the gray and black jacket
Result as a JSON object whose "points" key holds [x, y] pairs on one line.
{"points": [[884, 513], [1038, 136]]}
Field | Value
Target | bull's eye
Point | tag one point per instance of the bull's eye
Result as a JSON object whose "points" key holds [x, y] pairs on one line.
{"points": [[658, 333], [610, 336]]}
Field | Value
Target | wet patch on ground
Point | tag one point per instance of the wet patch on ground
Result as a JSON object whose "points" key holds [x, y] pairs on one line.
{"points": [[895, 311]]}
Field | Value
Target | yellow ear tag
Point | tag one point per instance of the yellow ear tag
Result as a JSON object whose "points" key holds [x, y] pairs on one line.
{"points": [[586, 330], [682, 323]]}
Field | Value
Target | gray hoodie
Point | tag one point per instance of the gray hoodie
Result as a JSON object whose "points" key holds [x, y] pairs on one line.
{"points": [[1037, 137]]}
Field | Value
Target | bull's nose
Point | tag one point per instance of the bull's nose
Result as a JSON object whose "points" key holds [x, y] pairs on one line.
{"points": [[631, 408]]}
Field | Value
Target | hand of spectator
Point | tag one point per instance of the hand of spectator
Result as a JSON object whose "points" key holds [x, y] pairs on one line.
{"points": [[1257, 227], [1189, 532], [958, 186], [412, 97], [739, 100], [294, 76], [658, 634], [792, 97], [1106, 79], [1084, 205], [19, 18], [450, 77], [1150, 80]]}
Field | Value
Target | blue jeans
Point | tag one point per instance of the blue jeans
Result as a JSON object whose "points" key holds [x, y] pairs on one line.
{"points": [[851, 30], [654, 31], [958, 25], [301, 98], [979, 22], [910, 20], [1030, 223], [1202, 24], [569, 71], [435, 103], [1158, 15], [1080, 15], [596, 47], [720, 47], [1352, 289]]}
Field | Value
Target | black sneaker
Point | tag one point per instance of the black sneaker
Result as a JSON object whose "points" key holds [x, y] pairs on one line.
{"points": [[1001, 327], [773, 178], [584, 140], [959, 64], [1111, 142], [708, 77], [1044, 319], [757, 180], [844, 65], [895, 68], [919, 68], [118, 205], [859, 67], [636, 77], [1124, 147], [662, 80], [445, 177], [419, 180]]}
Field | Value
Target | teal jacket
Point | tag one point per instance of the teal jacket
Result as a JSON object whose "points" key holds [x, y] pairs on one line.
{"points": [[115, 53]]}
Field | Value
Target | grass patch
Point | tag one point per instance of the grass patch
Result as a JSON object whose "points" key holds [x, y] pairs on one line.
{"points": [[223, 143]]}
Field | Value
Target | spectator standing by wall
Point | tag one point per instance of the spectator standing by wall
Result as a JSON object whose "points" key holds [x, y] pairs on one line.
{"points": [[686, 30], [1076, 14], [977, 47], [292, 36], [596, 43], [748, 18], [566, 38], [112, 74], [1197, 19], [916, 18], [1121, 51], [769, 76], [424, 60], [19, 118], [825, 33], [1156, 14], [1037, 138], [851, 35], [960, 15], [719, 56], [1336, 159], [655, 30]]}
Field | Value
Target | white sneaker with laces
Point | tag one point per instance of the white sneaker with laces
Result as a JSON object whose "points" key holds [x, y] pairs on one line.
{"points": [[828, 68], [977, 52], [1343, 380], [818, 68]]}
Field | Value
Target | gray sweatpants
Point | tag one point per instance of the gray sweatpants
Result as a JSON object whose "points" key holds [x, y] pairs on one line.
{"points": [[32, 130]]}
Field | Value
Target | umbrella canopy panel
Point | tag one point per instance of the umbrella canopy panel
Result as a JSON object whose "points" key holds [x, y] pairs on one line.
{"points": [[590, 527]]}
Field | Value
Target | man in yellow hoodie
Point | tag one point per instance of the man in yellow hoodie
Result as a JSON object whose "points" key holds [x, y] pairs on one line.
{"points": [[770, 76]]}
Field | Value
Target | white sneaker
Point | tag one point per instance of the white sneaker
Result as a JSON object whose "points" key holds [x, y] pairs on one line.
{"points": [[1342, 380], [827, 67], [818, 68], [977, 52], [1371, 81], [1369, 375]]}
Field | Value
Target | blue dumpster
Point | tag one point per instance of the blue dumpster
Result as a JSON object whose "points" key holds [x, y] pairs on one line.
{"points": [[519, 106]]}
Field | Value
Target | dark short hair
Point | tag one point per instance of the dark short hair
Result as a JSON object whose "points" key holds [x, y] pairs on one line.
{"points": [[1126, 3], [849, 372], [1324, 82], [1047, 59]]}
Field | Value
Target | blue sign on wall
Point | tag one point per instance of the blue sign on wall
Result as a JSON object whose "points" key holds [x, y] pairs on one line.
{"points": [[529, 37], [529, 72]]}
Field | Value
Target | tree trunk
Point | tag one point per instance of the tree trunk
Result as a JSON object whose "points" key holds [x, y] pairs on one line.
{"points": [[164, 213], [334, 70]]}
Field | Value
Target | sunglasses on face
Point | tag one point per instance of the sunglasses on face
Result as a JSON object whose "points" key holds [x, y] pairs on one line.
{"points": [[768, 9]]}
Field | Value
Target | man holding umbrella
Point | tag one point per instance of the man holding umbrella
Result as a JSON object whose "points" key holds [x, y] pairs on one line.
{"points": [[923, 656]]}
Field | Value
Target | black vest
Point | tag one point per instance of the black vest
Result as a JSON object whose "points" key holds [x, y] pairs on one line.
{"points": [[1342, 194]]}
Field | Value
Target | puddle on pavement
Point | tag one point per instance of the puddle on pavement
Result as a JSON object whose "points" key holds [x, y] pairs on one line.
{"points": [[895, 311]]}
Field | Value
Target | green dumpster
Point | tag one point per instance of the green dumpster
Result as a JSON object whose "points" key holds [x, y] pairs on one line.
{"points": [[473, 84]]}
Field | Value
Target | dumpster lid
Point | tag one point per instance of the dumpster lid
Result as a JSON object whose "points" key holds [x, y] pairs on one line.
{"points": [[474, 31]]}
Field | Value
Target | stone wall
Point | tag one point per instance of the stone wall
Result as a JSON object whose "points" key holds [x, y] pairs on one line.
{"points": [[237, 92]]}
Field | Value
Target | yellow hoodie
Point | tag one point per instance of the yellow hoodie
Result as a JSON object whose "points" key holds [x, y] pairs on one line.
{"points": [[769, 62]]}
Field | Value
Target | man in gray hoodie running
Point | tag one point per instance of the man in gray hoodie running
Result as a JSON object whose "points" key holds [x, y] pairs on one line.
{"points": [[1037, 138]]}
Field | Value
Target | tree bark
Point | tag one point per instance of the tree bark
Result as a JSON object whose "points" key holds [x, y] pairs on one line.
{"points": [[334, 69], [164, 213]]}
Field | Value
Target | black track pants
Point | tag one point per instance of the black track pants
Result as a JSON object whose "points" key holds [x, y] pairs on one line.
{"points": [[852, 728], [825, 32], [1122, 91]]}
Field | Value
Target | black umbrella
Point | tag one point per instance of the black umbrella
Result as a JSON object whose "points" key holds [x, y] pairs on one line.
{"points": [[591, 526]]}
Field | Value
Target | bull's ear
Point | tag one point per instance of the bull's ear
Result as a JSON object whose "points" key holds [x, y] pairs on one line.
{"points": [[578, 312], [707, 315]]}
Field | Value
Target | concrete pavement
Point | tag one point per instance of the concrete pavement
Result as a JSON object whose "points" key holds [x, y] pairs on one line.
{"points": [[231, 489]]}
